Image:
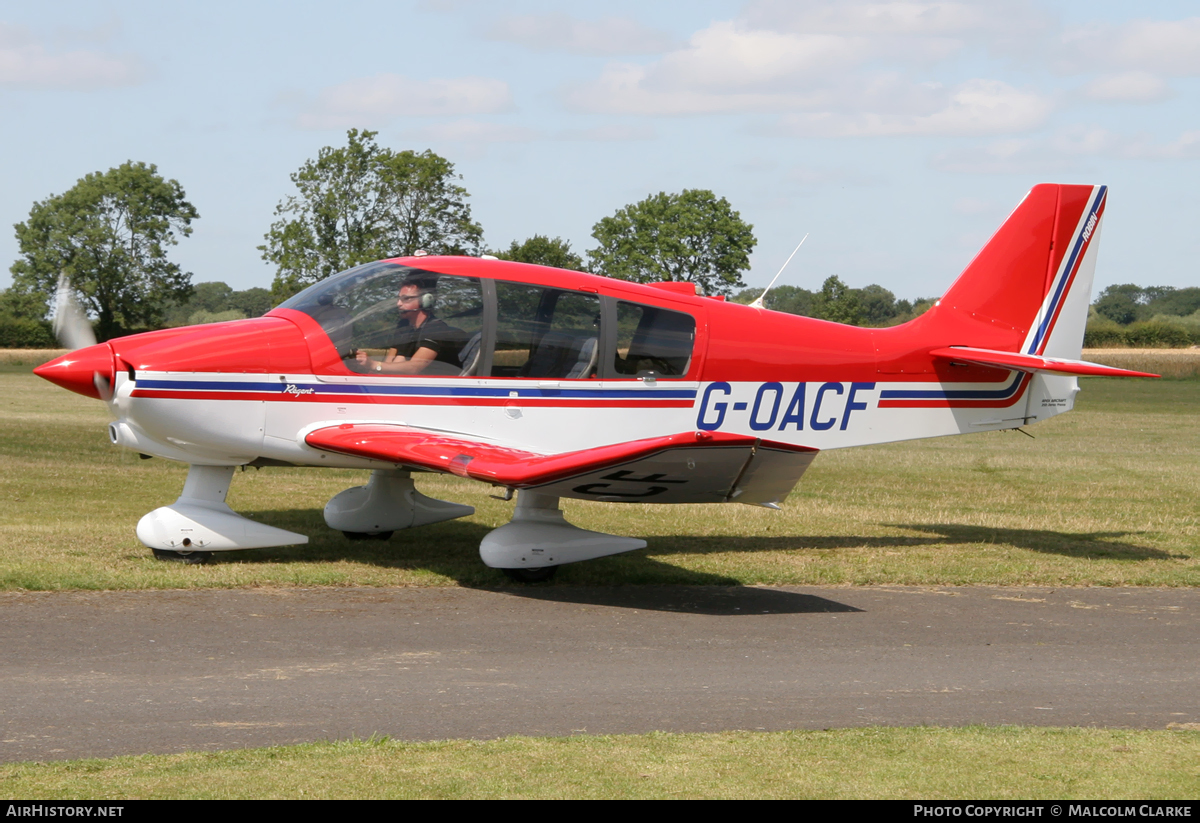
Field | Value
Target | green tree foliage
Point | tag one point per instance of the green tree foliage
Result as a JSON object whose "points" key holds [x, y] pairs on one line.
{"points": [[361, 203], [23, 304], [1127, 303], [878, 305], [1177, 302], [21, 321], [837, 302], [543, 251], [692, 236], [252, 302], [109, 234], [788, 299], [214, 302], [1120, 303]]}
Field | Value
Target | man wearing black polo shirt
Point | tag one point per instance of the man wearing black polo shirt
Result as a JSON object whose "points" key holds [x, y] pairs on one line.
{"points": [[423, 338]]}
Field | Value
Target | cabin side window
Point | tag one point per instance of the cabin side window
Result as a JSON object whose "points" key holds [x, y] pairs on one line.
{"points": [[546, 333], [652, 341]]}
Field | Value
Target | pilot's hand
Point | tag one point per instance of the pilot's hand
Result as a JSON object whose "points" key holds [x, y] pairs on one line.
{"points": [[361, 356]]}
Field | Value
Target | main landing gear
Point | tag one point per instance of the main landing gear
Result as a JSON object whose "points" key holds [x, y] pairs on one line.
{"points": [[389, 502], [538, 539], [528, 549], [188, 558], [541, 575]]}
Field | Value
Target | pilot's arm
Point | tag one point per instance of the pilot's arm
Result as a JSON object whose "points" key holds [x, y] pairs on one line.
{"points": [[416, 364]]}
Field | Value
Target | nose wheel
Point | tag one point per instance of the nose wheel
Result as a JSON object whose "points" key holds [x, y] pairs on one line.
{"points": [[189, 558]]}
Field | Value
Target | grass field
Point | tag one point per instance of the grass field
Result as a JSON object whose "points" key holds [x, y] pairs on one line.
{"points": [[1107, 495], [917, 763]]}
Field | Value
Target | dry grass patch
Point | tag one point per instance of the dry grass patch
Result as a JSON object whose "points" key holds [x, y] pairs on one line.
{"points": [[1177, 364]]}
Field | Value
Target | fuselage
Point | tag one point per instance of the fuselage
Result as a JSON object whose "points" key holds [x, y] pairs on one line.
{"points": [[249, 391]]}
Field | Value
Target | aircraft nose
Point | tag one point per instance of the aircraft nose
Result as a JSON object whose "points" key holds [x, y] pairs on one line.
{"points": [[88, 371]]}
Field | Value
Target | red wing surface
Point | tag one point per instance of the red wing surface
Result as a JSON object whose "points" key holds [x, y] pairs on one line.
{"points": [[693, 467]]}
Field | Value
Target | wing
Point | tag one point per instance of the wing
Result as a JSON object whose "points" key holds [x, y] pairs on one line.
{"points": [[1032, 362], [691, 467]]}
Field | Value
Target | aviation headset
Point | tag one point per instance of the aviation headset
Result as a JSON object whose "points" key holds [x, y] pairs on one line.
{"points": [[426, 292]]}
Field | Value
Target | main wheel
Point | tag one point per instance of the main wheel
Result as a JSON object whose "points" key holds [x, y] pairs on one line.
{"points": [[368, 535], [190, 558], [538, 575]]}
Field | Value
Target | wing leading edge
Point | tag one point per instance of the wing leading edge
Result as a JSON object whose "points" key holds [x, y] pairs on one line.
{"points": [[690, 467]]}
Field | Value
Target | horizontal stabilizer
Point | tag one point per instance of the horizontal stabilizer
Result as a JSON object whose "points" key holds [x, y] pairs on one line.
{"points": [[1032, 363]]}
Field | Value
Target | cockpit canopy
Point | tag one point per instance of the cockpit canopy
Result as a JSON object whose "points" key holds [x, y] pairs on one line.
{"points": [[497, 328]]}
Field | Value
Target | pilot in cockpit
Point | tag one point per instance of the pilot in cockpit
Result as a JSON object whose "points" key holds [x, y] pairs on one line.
{"points": [[421, 338]]}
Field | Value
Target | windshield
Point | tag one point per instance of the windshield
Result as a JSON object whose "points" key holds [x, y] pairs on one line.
{"points": [[359, 311]]}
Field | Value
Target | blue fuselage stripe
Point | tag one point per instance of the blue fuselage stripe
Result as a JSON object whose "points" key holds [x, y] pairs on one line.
{"points": [[417, 391]]}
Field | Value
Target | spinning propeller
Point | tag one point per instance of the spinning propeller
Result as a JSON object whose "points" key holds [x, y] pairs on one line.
{"points": [[89, 368]]}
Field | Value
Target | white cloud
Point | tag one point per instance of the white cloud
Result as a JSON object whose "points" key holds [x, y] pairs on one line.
{"points": [[561, 32], [1187, 145], [922, 18], [919, 32], [1007, 156], [1170, 47], [1127, 87], [829, 84], [27, 64], [368, 101], [977, 107], [1066, 150], [725, 68], [474, 131], [725, 57]]}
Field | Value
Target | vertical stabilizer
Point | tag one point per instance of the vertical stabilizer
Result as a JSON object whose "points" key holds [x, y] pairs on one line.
{"points": [[1029, 288]]}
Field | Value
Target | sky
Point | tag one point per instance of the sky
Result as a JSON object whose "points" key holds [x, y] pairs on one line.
{"points": [[898, 136]]}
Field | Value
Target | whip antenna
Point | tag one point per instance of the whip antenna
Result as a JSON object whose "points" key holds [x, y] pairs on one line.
{"points": [[758, 301]]}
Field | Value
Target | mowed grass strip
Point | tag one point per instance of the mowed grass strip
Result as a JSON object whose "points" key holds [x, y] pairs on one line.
{"points": [[908, 763], [1106, 495]]}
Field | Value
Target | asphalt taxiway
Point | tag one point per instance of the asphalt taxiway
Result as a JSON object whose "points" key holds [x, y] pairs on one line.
{"points": [[100, 674]]}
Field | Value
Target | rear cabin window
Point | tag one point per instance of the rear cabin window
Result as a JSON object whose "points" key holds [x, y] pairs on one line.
{"points": [[652, 341]]}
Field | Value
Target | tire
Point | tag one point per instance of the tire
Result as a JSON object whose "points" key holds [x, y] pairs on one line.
{"points": [[368, 535], [538, 575], [188, 558]]}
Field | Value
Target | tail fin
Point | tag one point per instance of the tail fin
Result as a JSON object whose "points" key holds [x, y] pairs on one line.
{"points": [[1028, 289]]}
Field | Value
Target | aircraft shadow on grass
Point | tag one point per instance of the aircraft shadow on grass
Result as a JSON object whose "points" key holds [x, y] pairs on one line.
{"points": [[452, 549], [644, 581], [1086, 545]]}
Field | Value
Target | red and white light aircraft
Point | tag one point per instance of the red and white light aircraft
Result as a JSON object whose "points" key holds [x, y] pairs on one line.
{"points": [[559, 384]]}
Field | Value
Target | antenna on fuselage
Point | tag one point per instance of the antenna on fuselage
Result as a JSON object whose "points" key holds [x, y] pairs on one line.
{"points": [[758, 301]]}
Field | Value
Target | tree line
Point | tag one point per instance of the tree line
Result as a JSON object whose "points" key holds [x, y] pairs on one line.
{"points": [[110, 235], [1145, 317]]}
